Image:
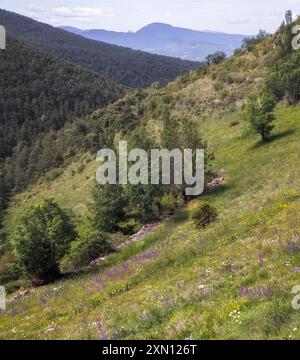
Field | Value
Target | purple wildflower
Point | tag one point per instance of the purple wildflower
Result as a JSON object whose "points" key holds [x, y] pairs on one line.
{"points": [[257, 292], [124, 267], [260, 259], [102, 331], [144, 315], [181, 283], [43, 301]]}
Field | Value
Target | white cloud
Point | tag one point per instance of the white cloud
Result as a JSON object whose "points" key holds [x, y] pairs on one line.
{"points": [[77, 11], [232, 16], [238, 22]]}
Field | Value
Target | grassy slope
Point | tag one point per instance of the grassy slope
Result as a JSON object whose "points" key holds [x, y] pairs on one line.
{"points": [[70, 189], [129, 297], [198, 96]]}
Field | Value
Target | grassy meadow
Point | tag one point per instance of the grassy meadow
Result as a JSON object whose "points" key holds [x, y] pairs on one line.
{"points": [[232, 280]]}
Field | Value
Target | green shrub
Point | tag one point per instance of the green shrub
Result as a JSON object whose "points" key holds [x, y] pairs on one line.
{"points": [[216, 58], [203, 214], [16, 285], [129, 227], [259, 113], [250, 43], [218, 85], [109, 202], [167, 99], [90, 245], [53, 174], [42, 237], [179, 200], [284, 78], [168, 203], [81, 168], [231, 77], [224, 94], [238, 52], [10, 270]]}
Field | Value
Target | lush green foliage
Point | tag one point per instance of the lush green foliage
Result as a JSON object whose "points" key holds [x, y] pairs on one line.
{"points": [[89, 246], [4, 196], [39, 94], [108, 206], [42, 238], [129, 227], [48, 94], [259, 113], [168, 203], [113, 205], [10, 271], [250, 43], [203, 214], [216, 58], [284, 78]]}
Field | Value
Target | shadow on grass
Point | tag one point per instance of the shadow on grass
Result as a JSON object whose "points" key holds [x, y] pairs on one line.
{"points": [[179, 217], [272, 138], [217, 191]]}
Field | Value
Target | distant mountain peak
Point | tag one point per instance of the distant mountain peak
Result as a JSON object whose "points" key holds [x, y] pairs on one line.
{"points": [[155, 26], [165, 39], [119, 63]]}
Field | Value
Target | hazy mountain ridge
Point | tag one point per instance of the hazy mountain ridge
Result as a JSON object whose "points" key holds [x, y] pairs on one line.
{"points": [[165, 39], [127, 67]]}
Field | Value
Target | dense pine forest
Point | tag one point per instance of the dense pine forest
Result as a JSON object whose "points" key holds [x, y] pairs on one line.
{"points": [[39, 95], [123, 65]]}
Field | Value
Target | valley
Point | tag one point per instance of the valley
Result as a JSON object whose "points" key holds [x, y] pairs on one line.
{"points": [[223, 265]]}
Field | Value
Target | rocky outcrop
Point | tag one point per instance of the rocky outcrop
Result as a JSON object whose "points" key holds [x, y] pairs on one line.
{"points": [[216, 182], [147, 229]]}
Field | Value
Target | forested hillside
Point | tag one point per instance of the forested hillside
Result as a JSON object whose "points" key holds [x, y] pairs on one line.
{"points": [[126, 66], [39, 94]]}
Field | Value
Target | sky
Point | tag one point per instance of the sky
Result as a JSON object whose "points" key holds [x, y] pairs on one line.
{"points": [[231, 16]]}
